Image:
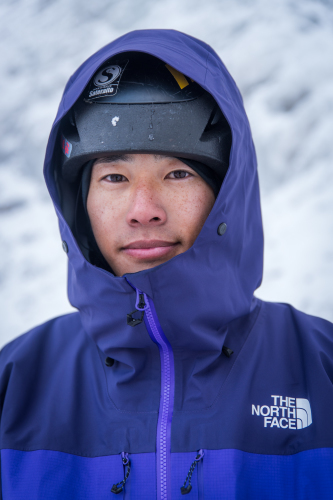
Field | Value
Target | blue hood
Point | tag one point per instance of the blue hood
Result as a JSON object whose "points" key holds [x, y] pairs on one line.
{"points": [[198, 292]]}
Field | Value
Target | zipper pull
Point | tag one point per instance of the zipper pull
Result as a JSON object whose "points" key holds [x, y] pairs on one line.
{"points": [[186, 489], [140, 305], [118, 488], [140, 301]]}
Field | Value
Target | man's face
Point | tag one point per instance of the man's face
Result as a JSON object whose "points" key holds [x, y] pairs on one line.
{"points": [[145, 209]]}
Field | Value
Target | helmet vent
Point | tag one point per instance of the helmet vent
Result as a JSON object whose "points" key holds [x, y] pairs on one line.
{"points": [[214, 119], [70, 129]]}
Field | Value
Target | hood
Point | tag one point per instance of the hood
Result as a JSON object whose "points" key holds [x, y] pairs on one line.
{"points": [[200, 291]]}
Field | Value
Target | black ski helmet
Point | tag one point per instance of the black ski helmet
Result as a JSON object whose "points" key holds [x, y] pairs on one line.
{"points": [[136, 103]]}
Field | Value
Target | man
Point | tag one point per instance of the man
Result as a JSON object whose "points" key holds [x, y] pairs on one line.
{"points": [[171, 379]]}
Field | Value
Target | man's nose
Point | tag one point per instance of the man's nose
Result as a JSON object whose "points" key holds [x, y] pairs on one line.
{"points": [[146, 208]]}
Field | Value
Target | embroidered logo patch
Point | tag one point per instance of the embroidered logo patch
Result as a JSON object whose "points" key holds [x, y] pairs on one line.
{"points": [[285, 413]]}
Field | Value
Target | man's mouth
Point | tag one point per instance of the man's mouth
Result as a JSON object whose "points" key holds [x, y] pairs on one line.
{"points": [[150, 249]]}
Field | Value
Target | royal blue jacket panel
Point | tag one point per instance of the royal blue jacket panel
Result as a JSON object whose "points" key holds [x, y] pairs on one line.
{"points": [[54, 475], [213, 381]]}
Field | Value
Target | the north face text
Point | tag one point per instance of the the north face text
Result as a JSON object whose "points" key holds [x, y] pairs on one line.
{"points": [[285, 413]]}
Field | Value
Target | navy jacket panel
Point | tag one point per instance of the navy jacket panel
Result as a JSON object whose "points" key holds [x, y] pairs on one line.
{"points": [[57, 395]]}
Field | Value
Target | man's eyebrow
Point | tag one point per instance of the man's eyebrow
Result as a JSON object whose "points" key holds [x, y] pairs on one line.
{"points": [[113, 158], [162, 157]]}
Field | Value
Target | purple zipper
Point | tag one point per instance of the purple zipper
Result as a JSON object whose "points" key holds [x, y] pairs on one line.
{"points": [[163, 441]]}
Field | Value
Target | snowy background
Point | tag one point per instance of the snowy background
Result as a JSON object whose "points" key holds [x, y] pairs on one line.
{"points": [[280, 54]]}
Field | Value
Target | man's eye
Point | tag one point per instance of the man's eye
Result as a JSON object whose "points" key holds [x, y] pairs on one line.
{"points": [[179, 174], [116, 178]]}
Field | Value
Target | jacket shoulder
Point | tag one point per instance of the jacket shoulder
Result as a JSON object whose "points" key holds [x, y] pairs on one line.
{"points": [[293, 327], [283, 311], [67, 324], [46, 343]]}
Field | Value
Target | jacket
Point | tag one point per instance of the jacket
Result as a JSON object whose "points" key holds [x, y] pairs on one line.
{"points": [[213, 386]]}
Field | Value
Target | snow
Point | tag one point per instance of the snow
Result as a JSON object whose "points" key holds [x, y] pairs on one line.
{"points": [[280, 54]]}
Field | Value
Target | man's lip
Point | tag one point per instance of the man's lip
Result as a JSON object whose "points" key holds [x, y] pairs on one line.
{"points": [[150, 249], [149, 244]]}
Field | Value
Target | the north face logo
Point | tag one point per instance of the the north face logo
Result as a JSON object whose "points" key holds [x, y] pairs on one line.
{"points": [[285, 413]]}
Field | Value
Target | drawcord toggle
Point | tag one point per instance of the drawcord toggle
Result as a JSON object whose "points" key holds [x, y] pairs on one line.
{"points": [[186, 489], [118, 488]]}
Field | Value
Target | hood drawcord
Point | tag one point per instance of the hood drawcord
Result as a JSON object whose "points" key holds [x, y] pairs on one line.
{"points": [[118, 487], [186, 489], [227, 351]]}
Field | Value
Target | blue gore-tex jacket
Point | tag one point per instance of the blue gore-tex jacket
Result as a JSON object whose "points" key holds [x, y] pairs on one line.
{"points": [[259, 421]]}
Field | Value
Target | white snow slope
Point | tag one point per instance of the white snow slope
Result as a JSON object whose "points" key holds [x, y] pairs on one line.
{"points": [[280, 54]]}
